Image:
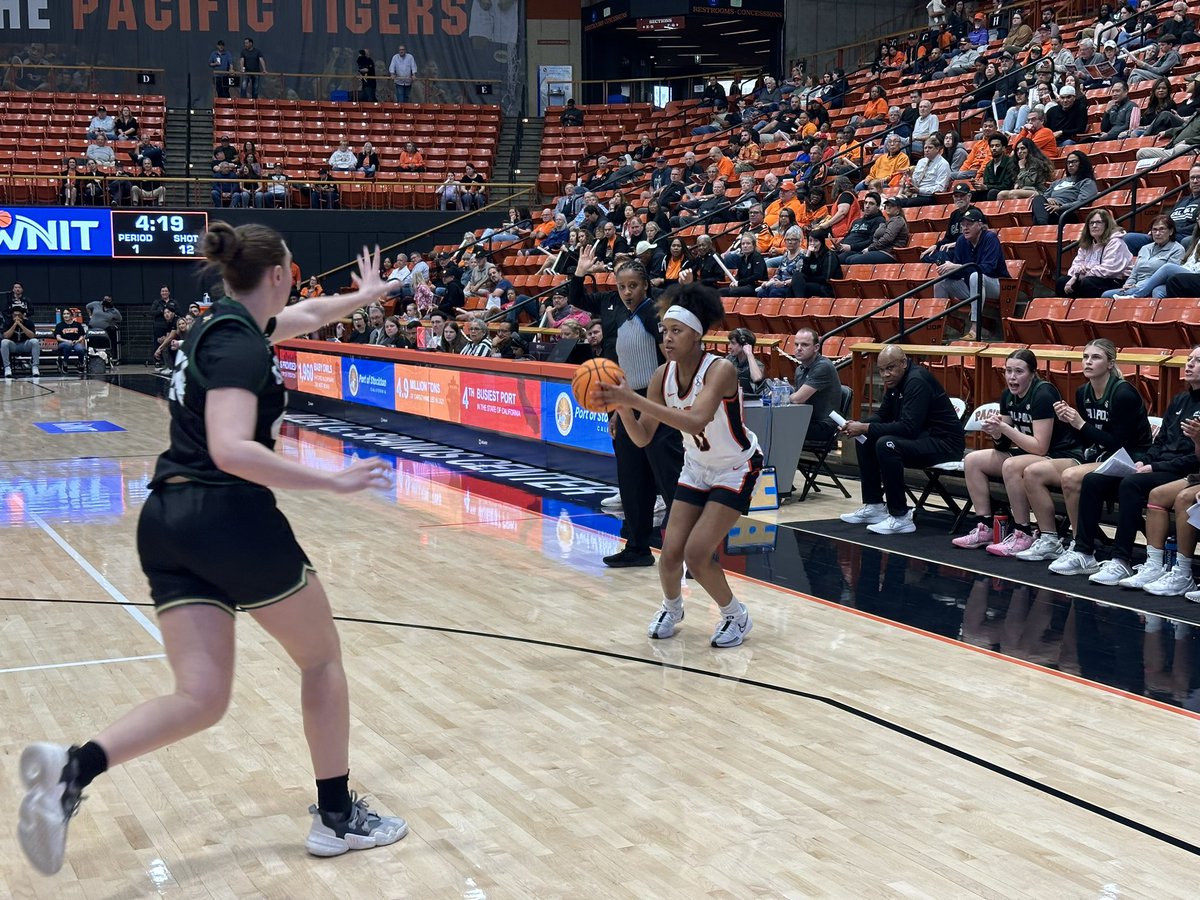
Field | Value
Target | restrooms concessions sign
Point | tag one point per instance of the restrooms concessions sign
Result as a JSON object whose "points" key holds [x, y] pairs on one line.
{"points": [[473, 40]]}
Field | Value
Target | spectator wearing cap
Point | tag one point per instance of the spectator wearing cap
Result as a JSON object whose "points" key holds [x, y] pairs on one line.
{"points": [[1067, 119], [660, 175], [1120, 115], [978, 35], [452, 296], [963, 60], [1020, 35], [1152, 70], [1113, 67], [787, 198], [1014, 119], [571, 116], [890, 234], [976, 245], [941, 251]]}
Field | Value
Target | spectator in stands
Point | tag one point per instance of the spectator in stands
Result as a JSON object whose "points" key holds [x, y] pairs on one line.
{"points": [[358, 333], [886, 169], [403, 69], [704, 265], [478, 343], [862, 229], [1121, 115], [1172, 454], [971, 168], [314, 289], [953, 150], [1014, 119], [1102, 261], [1161, 112], [1028, 432], [1035, 129], [18, 333], [250, 172], [254, 65], [1183, 214], [786, 266], [940, 252], [322, 193], [978, 245], [1066, 119], [572, 115], [273, 192], [1020, 35], [1062, 58], [749, 269], [931, 176], [343, 159], [1180, 25], [1160, 249], [411, 159], [101, 152], [448, 193], [104, 316], [93, 186], [714, 209], [890, 234], [595, 338], [471, 192], [367, 162], [713, 94], [842, 210], [220, 63], [1034, 171], [1156, 66], [559, 309], [147, 186], [71, 338], [740, 352], [452, 340], [393, 334], [1077, 184], [125, 128], [916, 426], [964, 60], [102, 123], [924, 127], [68, 193], [1171, 279], [875, 109], [148, 148], [664, 269]]}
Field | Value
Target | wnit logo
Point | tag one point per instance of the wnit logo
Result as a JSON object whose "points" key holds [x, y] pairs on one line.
{"points": [[20, 233]]}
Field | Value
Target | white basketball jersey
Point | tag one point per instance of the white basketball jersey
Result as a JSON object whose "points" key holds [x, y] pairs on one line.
{"points": [[725, 441]]}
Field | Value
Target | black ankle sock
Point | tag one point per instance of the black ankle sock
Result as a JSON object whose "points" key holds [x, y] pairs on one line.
{"points": [[92, 761], [333, 794], [986, 520], [1024, 529]]}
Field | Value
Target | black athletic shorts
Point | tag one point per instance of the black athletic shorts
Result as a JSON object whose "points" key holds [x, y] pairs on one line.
{"points": [[729, 487], [221, 545]]}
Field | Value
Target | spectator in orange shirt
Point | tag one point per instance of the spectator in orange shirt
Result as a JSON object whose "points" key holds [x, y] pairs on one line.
{"points": [[748, 151], [788, 199], [296, 279], [893, 162], [874, 112], [1035, 129], [979, 155], [411, 159], [723, 163], [312, 289]]}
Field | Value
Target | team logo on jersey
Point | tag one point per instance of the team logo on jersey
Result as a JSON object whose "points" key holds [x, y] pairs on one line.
{"points": [[353, 380], [564, 414]]}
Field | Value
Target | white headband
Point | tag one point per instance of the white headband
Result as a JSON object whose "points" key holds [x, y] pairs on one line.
{"points": [[687, 317]]}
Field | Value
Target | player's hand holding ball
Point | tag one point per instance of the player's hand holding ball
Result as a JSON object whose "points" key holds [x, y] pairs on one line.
{"points": [[599, 385]]}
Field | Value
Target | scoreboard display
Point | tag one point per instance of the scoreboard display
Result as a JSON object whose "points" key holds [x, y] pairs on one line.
{"points": [[99, 233], [157, 235]]}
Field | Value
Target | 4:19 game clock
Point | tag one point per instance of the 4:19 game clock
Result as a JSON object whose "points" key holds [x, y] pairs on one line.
{"points": [[157, 235]]}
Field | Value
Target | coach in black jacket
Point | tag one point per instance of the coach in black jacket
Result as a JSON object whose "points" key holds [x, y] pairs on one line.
{"points": [[916, 426], [632, 339]]}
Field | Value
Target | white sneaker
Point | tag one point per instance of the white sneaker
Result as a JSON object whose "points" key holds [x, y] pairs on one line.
{"points": [[660, 506], [613, 502], [360, 829], [52, 797], [664, 621], [1172, 583], [733, 628], [1075, 563], [8, 371], [1143, 575], [37, 373], [1112, 572], [1192, 596], [867, 514], [1047, 546], [895, 525]]}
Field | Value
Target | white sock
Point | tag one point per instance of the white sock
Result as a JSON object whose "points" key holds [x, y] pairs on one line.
{"points": [[733, 608], [1154, 556], [675, 604], [1183, 564]]}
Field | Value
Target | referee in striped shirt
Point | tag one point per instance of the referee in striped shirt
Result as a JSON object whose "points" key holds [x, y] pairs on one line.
{"points": [[632, 335]]}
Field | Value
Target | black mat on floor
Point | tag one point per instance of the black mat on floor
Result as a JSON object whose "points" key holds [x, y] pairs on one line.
{"points": [[931, 542]]}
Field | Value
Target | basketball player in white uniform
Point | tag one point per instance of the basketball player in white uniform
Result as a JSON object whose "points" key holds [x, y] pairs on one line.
{"points": [[698, 393]]}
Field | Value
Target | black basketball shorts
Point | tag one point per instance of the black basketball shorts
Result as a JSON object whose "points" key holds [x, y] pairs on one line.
{"points": [[221, 545]]}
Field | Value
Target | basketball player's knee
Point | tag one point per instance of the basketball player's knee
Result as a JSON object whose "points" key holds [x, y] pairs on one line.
{"points": [[696, 556], [209, 698], [1011, 469], [672, 555], [1164, 499]]}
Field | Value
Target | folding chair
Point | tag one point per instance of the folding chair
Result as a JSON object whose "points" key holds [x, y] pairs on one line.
{"points": [[811, 469], [933, 474]]}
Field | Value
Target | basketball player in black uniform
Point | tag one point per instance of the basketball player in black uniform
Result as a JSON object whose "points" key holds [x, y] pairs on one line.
{"points": [[211, 489]]}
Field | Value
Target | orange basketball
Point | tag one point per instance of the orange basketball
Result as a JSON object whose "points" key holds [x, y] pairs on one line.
{"points": [[5, 218], [588, 376]]}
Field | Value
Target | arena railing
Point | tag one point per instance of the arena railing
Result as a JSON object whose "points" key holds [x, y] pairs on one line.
{"points": [[82, 79], [345, 80], [1132, 181]]}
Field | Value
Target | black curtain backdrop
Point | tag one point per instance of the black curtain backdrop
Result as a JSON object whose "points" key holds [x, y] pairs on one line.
{"points": [[480, 41]]}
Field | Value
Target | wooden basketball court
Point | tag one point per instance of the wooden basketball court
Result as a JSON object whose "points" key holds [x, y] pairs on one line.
{"points": [[507, 702]]}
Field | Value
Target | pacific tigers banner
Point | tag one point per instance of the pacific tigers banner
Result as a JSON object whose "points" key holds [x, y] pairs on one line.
{"points": [[480, 42]]}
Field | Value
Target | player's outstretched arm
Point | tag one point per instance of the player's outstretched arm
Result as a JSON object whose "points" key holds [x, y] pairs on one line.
{"points": [[306, 317]]}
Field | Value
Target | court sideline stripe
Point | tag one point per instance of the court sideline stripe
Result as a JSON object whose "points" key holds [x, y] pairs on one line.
{"points": [[904, 731], [137, 615], [85, 662]]}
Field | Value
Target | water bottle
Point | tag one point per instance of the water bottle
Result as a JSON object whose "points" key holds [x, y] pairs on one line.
{"points": [[206, 301], [781, 390], [1169, 551], [767, 394]]}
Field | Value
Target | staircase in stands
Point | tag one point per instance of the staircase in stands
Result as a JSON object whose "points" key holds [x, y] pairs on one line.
{"points": [[181, 164], [529, 132]]}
